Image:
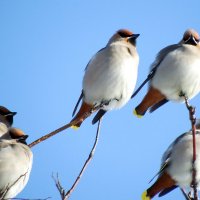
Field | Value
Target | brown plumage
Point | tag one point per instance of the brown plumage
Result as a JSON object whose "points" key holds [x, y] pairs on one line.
{"points": [[81, 115], [163, 182], [174, 74], [110, 77], [152, 97]]}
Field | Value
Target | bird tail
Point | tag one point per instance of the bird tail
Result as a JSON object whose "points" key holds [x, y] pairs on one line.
{"points": [[152, 97], [145, 196], [163, 184], [82, 114]]}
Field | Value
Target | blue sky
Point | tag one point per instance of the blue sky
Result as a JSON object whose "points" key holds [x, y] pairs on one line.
{"points": [[45, 46]]}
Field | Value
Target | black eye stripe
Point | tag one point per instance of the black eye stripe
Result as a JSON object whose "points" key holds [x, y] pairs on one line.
{"points": [[187, 37], [123, 35]]}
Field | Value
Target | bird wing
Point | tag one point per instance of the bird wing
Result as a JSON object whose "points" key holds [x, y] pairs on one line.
{"points": [[98, 116], [76, 106], [93, 58], [82, 94], [159, 58], [162, 54], [167, 190], [157, 105], [162, 168], [166, 156], [169, 150]]}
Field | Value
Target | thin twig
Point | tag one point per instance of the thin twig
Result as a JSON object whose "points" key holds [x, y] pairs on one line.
{"points": [[86, 163], [191, 110], [45, 137], [187, 197], [65, 196], [8, 187], [59, 186]]}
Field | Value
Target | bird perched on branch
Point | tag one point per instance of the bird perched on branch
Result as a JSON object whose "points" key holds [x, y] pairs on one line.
{"points": [[6, 119], [110, 76], [15, 163], [176, 166], [175, 74]]}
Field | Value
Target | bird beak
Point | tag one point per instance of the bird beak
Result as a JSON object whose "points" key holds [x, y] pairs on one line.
{"points": [[192, 40], [135, 36], [11, 114], [22, 139], [132, 38]]}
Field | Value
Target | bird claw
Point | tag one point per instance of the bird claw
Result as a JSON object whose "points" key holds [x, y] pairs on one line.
{"points": [[104, 103]]}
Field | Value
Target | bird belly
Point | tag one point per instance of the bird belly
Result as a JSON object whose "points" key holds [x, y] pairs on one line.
{"points": [[180, 168], [178, 73], [15, 167], [112, 80]]}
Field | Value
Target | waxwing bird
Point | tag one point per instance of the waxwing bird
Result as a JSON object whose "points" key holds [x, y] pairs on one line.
{"points": [[176, 165], [110, 76], [175, 74], [6, 116], [15, 163], [6, 119]]}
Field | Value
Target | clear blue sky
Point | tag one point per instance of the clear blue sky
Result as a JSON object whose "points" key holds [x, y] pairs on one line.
{"points": [[44, 48]]}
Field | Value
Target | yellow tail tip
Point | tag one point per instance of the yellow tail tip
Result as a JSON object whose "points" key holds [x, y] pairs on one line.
{"points": [[137, 115], [75, 127], [144, 196]]}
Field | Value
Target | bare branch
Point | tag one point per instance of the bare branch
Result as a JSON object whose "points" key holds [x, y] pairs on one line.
{"points": [[192, 117], [187, 196], [66, 195], [45, 137]]}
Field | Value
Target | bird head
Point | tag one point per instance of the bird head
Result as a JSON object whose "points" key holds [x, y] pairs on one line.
{"points": [[18, 134], [6, 116], [124, 35], [191, 37]]}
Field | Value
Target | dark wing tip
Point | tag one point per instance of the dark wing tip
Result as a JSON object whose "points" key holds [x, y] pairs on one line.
{"points": [[98, 116], [159, 104], [76, 106], [167, 190]]}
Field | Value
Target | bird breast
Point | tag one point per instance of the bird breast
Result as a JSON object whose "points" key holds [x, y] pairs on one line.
{"points": [[111, 74], [179, 72], [180, 167], [15, 166]]}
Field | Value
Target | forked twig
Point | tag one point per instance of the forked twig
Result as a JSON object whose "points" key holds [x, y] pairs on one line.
{"points": [[45, 137], [191, 110], [66, 195], [59, 186]]}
